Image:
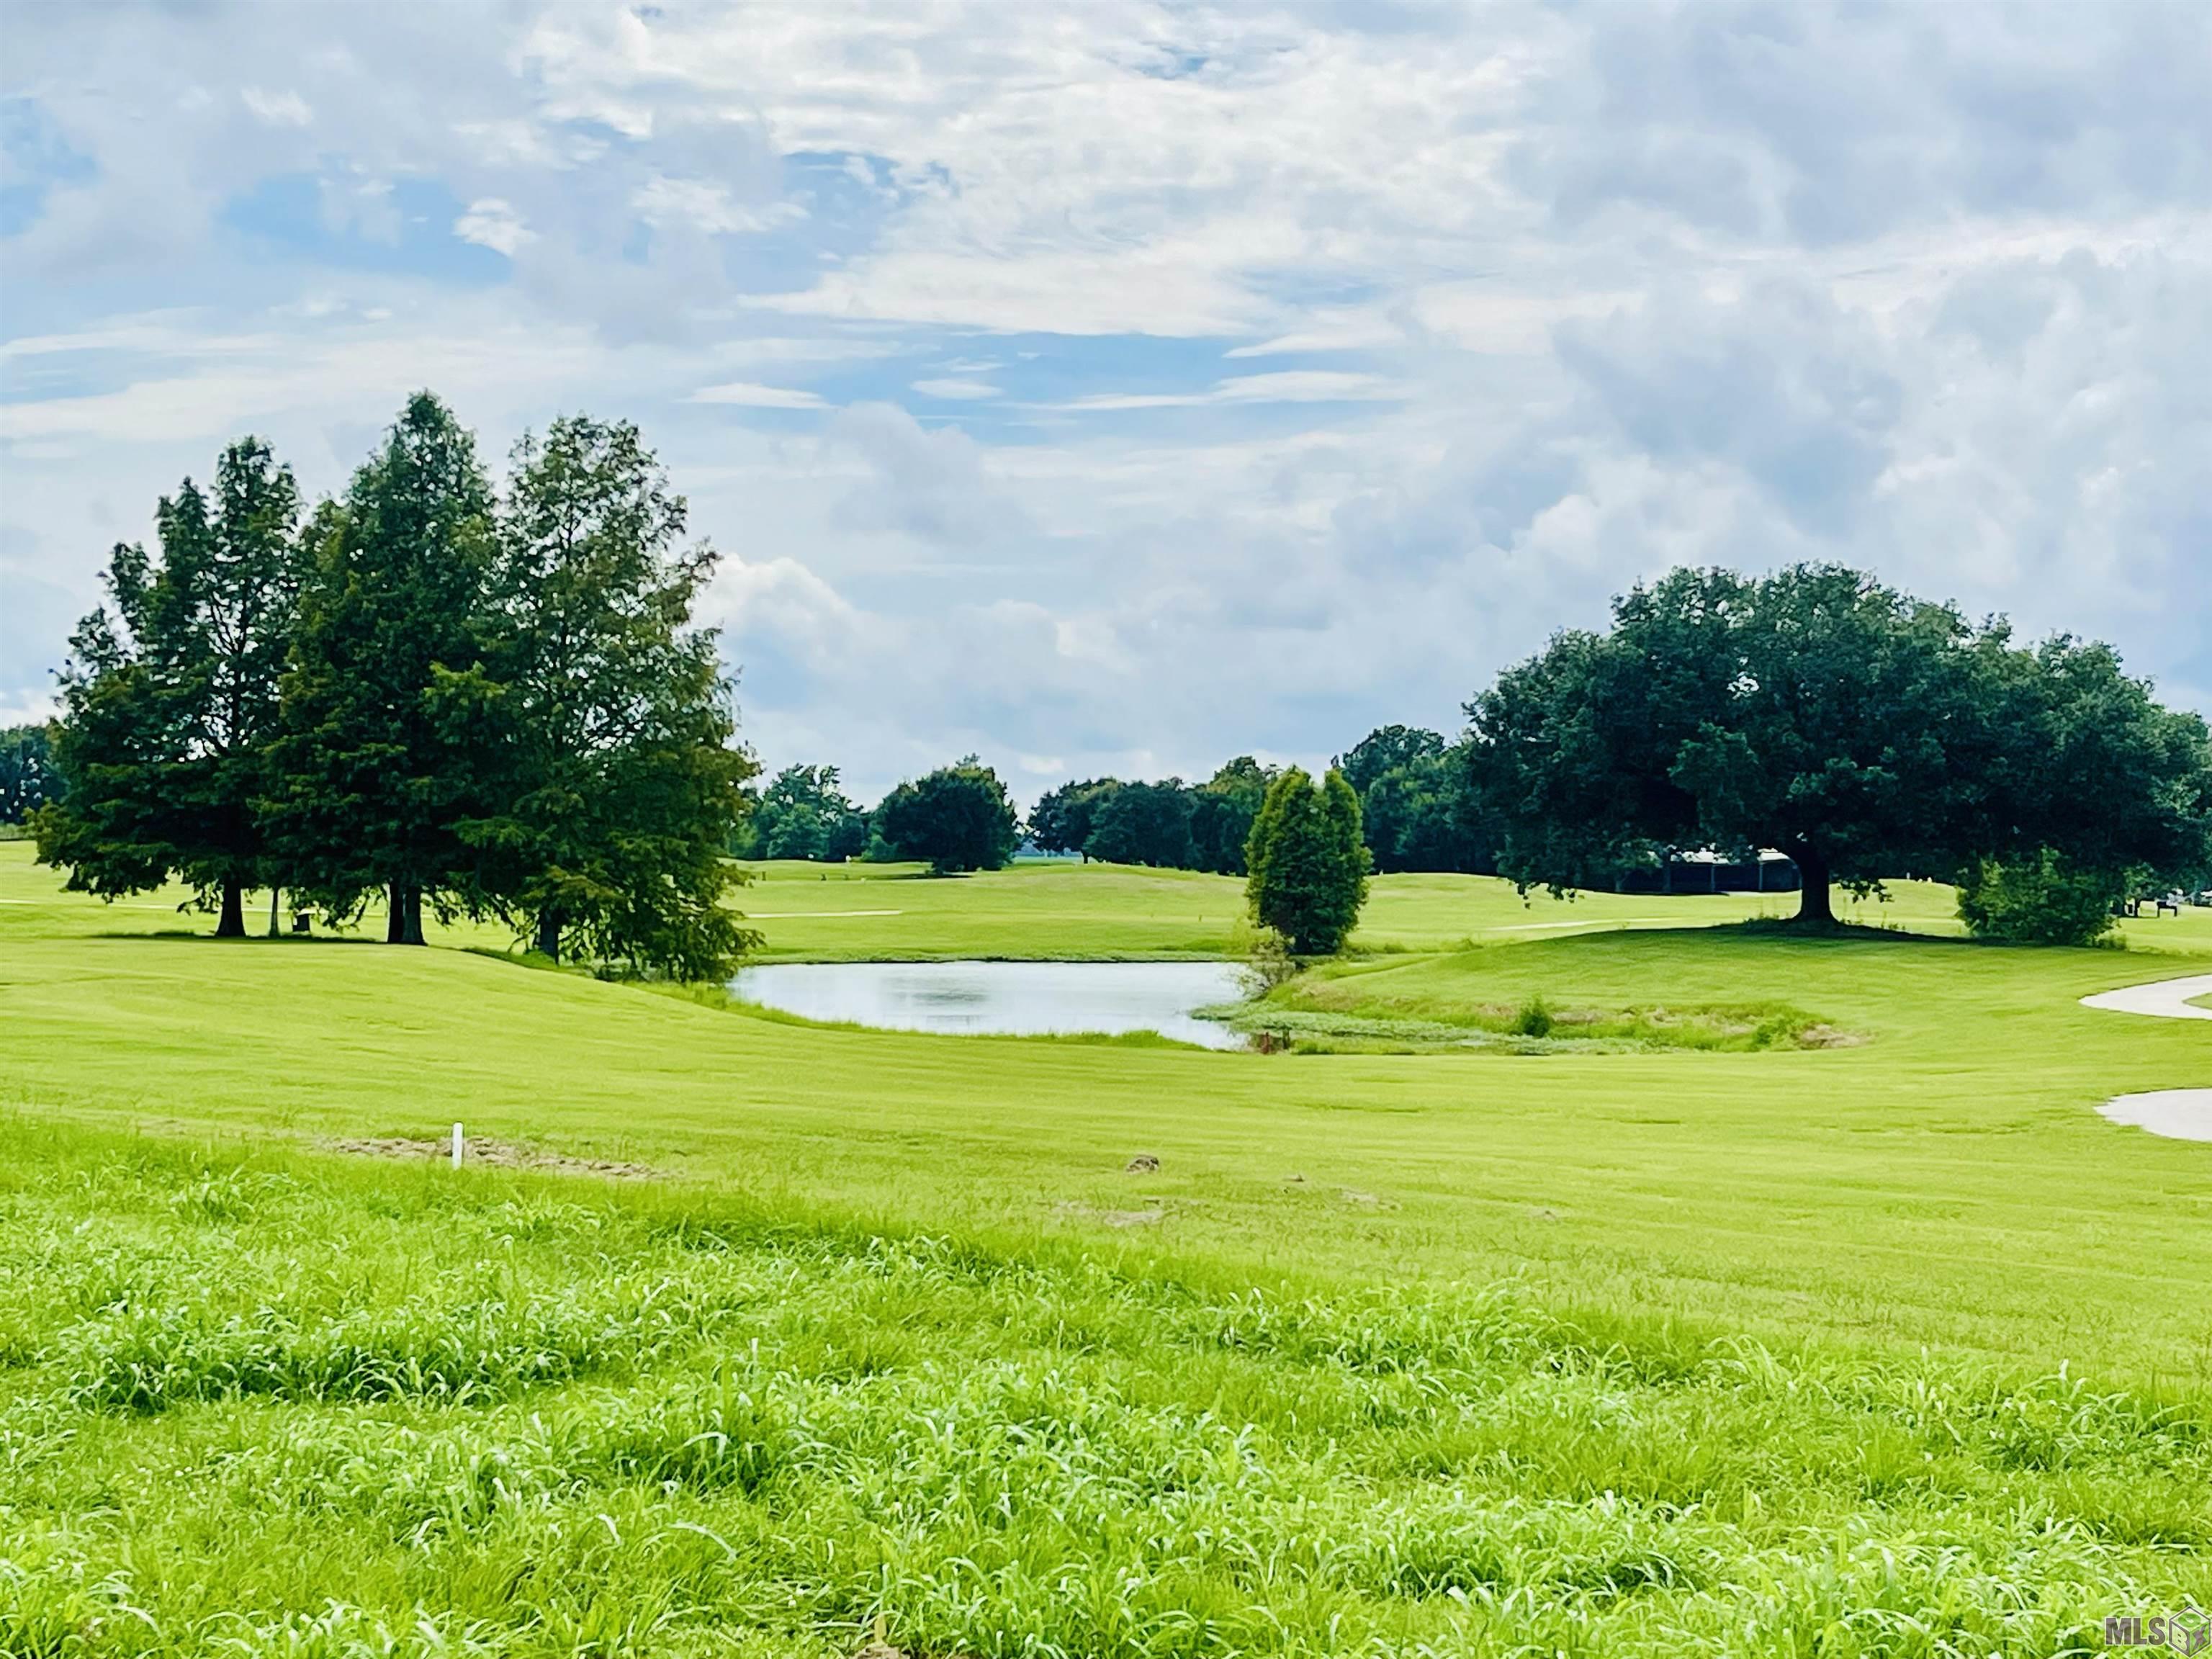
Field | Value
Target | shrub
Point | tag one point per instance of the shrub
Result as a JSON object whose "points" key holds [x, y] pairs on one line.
{"points": [[1535, 1019], [2045, 900]]}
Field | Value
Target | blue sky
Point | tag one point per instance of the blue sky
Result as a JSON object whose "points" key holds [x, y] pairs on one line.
{"points": [[1120, 388]]}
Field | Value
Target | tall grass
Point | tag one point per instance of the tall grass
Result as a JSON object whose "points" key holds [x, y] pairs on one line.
{"points": [[311, 1407]]}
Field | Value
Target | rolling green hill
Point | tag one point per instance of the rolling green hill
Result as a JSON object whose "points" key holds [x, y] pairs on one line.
{"points": [[1892, 1346]]}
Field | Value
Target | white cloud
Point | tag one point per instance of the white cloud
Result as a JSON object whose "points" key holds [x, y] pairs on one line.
{"points": [[956, 389], [1350, 330], [491, 222], [702, 205], [34, 709], [1597, 292], [276, 109], [1298, 385], [750, 394]]}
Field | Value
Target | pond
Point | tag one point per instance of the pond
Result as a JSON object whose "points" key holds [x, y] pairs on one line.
{"points": [[1005, 998]]}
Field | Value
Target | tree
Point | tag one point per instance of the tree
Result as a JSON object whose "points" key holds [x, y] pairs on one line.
{"points": [[600, 715], [1814, 710], [1144, 823], [28, 778], [383, 704], [1222, 809], [169, 706], [2099, 772], [1388, 749], [1308, 865], [956, 819], [1062, 820], [1863, 732], [1418, 809], [805, 814]]}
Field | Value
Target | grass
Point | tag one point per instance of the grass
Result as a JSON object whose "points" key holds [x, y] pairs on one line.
{"points": [[1894, 1348], [507, 1416], [1062, 910], [1406, 1008]]}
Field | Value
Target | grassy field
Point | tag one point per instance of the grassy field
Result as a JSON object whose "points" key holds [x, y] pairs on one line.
{"points": [[1890, 1348], [1059, 909]]}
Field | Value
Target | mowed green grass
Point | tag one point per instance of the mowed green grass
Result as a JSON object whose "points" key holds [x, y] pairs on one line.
{"points": [[1895, 1348], [1061, 910]]}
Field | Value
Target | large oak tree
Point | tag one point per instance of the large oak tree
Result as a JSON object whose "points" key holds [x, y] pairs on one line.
{"points": [[1863, 732]]}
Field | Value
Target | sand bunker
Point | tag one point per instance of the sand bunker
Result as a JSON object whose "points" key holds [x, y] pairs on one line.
{"points": [[2177, 1114]]}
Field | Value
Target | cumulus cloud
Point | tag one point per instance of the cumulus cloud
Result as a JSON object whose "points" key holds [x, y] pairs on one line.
{"points": [[491, 222], [1124, 387]]}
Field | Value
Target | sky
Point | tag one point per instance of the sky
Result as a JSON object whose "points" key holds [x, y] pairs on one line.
{"points": [[1117, 388]]}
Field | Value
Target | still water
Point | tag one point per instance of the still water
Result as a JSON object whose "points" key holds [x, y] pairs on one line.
{"points": [[1003, 998]]}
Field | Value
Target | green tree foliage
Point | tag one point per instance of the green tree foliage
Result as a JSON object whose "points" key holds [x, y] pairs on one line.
{"points": [[1308, 864], [1388, 748], [503, 707], [1222, 809], [1168, 825], [28, 778], [803, 813], [1062, 820], [1418, 807], [1862, 733], [614, 783], [954, 819], [2042, 899], [2098, 771], [170, 703], [383, 753], [1145, 824]]}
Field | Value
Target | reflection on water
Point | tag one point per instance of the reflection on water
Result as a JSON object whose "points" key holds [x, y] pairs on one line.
{"points": [[1003, 998]]}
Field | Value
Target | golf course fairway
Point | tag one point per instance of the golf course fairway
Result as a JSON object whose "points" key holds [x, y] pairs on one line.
{"points": [[1805, 1305]]}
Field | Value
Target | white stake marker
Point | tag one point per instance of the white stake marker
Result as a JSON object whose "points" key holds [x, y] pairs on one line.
{"points": [[457, 1146]]}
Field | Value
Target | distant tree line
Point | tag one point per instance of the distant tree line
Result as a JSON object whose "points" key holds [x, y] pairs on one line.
{"points": [[1418, 812], [430, 690], [1418, 809], [27, 779]]}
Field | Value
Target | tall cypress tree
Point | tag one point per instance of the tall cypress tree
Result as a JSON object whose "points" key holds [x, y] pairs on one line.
{"points": [[615, 785], [378, 761], [1308, 866], [170, 704]]}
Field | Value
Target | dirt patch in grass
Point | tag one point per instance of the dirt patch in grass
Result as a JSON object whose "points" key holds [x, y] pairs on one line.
{"points": [[497, 1154], [1151, 1217]]}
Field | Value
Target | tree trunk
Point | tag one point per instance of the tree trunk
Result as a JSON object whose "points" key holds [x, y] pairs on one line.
{"points": [[232, 923], [414, 916], [275, 893], [1813, 908], [395, 917], [548, 931]]}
